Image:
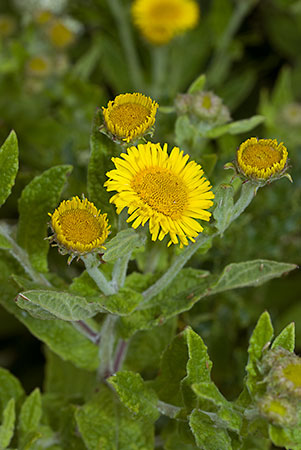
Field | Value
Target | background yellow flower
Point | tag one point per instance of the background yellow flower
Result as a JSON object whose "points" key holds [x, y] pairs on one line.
{"points": [[160, 20]]}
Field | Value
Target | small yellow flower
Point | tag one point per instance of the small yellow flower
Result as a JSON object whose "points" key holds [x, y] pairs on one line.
{"points": [[160, 20], [38, 66], [79, 227], [130, 116], [162, 189], [43, 16], [262, 159], [7, 25], [292, 374], [279, 411], [60, 35]]}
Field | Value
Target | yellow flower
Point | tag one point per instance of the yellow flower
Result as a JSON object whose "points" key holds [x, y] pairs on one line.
{"points": [[162, 189], [262, 159], [130, 116], [60, 35], [160, 20], [7, 25], [38, 66], [277, 410], [79, 227]]}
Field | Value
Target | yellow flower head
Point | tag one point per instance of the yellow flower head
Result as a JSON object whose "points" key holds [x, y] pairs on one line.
{"points": [[38, 66], [160, 20], [7, 25], [60, 35], [279, 411], [262, 159], [130, 116], [79, 227], [162, 189]]}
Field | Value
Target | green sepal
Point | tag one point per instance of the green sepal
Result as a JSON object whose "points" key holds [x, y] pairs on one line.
{"points": [[8, 424], [134, 393], [286, 339], [9, 164], [197, 85], [122, 244], [39, 198], [259, 341]]}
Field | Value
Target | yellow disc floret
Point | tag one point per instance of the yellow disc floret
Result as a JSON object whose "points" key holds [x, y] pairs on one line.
{"points": [[160, 20], [79, 227], [261, 159], [163, 190], [130, 116]]}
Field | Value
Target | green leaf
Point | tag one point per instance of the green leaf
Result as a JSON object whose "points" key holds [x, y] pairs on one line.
{"points": [[207, 435], [8, 424], [238, 127], [61, 337], [224, 207], [9, 165], [64, 379], [122, 244], [102, 150], [226, 411], [197, 84], [39, 198], [250, 273], [30, 416], [286, 338], [62, 305], [184, 131], [260, 339], [105, 423], [122, 303], [135, 394], [245, 125], [198, 366], [10, 387]]}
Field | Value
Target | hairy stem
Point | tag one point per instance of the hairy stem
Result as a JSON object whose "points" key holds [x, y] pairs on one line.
{"points": [[92, 267]]}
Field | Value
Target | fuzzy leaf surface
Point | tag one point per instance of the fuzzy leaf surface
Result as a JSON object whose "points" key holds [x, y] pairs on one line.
{"points": [[122, 244], [207, 435], [62, 305], [9, 164], [39, 198], [106, 424], [30, 416], [224, 205], [286, 339], [135, 394], [261, 337], [8, 424], [249, 273]]}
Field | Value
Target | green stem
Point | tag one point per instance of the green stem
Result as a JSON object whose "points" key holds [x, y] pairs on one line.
{"points": [[218, 67], [247, 193], [106, 347], [86, 330], [126, 37], [119, 272], [174, 269], [91, 264]]}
